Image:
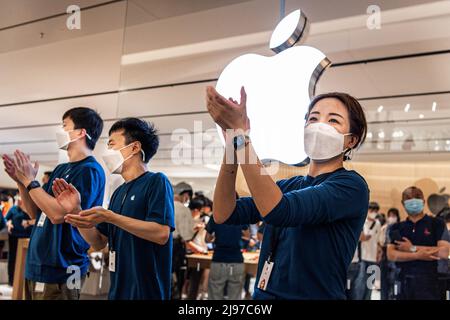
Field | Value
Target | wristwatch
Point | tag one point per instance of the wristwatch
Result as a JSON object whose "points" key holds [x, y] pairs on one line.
{"points": [[240, 141], [33, 185], [413, 249]]}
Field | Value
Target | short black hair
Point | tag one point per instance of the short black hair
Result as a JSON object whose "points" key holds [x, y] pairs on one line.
{"points": [[374, 206], [87, 119], [48, 173], [196, 204], [135, 129]]}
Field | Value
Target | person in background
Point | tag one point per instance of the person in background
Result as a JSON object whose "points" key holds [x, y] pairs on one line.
{"points": [[5, 203], [2, 226], [54, 245], [19, 227], [196, 245], [138, 224], [416, 245], [182, 194], [369, 249], [46, 178], [388, 269], [227, 266]]}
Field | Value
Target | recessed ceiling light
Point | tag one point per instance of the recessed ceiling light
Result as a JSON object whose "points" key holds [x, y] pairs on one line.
{"points": [[369, 135], [380, 108], [433, 107], [381, 134], [407, 107], [421, 116]]}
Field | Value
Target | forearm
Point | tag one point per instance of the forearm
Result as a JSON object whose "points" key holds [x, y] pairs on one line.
{"points": [[443, 252], [30, 207], [48, 204], [400, 256], [265, 192], [147, 230], [94, 238], [225, 191]]}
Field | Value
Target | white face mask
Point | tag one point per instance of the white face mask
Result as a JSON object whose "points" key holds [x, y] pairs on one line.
{"points": [[322, 141], [391, 220], [114, 159], [63, 138], [372, 215]]}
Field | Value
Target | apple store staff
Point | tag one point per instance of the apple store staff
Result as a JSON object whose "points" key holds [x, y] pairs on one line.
{"points": [[313, 222], [55, 245], [139, 222]]}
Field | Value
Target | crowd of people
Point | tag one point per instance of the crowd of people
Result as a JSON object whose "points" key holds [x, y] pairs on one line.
{"points": [[317, 236], [409, 258]]}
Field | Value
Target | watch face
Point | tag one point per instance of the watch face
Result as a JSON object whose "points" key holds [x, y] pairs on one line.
{"points": [[239, 141]]}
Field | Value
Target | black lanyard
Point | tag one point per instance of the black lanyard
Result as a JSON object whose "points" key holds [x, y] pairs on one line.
{"points": [[274, 240]]}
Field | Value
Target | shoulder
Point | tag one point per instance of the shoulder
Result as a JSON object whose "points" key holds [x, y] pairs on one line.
{"points": [[156, 178], [290, 183]]}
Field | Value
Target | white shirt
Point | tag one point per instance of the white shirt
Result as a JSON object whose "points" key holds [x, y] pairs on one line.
{"points": [[184, 223], [369, 248]]}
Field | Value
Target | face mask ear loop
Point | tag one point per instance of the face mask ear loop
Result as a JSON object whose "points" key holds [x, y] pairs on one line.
{"points": [[348, 154]]}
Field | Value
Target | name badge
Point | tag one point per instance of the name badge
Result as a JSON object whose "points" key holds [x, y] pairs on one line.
{"points": [[265, 275], [39, 287], [112, 261], [42, 219]]}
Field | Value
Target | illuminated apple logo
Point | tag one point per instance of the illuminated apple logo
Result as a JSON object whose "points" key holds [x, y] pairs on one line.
{"points": [[279, 89]]}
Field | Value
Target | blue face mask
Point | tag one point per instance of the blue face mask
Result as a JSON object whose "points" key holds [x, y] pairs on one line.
{"points": [[413, 206]]}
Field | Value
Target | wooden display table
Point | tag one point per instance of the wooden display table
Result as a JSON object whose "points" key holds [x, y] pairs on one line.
{"points": [[203, 261], [19, 272]]}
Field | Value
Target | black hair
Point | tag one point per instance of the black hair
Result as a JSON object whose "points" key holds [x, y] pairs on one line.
{"points": [[374, 206], [48, 173], [135, 129], [395, 212], [196, 203], [87, 119]]}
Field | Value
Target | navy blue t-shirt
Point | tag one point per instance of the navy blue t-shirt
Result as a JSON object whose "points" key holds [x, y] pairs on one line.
{"points": [[55, 247], [318, 222], [143, 268], [17, 216], [425, 232], [227, 243]]}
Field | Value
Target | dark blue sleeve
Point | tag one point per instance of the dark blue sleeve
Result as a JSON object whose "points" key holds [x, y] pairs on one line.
{"points": [[160, 202], [245, 212], [103, 228], [441, 230], [394, 229], [89, 182], [10, 213], [339, 197]]}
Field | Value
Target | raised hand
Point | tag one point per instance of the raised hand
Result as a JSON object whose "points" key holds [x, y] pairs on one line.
{"points": [[10, 168], [67, 196], [25, 171], [227, 113]]}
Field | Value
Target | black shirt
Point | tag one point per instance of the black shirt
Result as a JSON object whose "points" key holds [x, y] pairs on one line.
{"points": [[425, 232]]}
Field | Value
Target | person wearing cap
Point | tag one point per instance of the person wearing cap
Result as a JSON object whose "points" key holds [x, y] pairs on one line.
{"points": [[182, 194], [416, 245]]}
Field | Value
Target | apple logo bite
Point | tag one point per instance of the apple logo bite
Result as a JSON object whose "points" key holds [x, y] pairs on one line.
{"points": [[279, 89]]}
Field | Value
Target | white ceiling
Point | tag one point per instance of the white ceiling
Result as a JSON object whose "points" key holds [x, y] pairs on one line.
{"points": [[194, 41]]}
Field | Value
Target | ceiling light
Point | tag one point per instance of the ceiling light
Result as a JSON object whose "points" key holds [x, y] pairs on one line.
{"points": [[381, 134], [407, 107], [380, 108], [369, 135], [421, 116], [433, 108]]}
